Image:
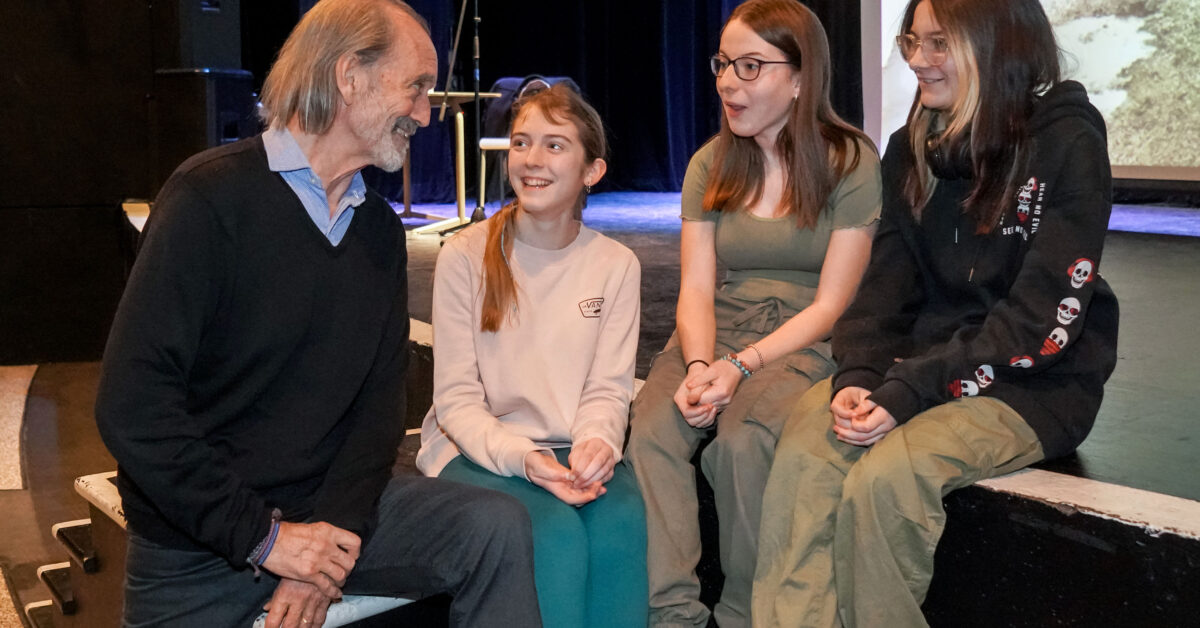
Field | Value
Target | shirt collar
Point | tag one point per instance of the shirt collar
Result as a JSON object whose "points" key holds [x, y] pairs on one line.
{"points": [[284, 155]]}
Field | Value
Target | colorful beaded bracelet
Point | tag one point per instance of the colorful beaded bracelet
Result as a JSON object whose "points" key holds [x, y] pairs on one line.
{"points": [[732, 359]]}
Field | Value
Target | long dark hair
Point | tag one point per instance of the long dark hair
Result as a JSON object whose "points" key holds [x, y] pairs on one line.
{"points": [[1006, 56], [814, 145]]}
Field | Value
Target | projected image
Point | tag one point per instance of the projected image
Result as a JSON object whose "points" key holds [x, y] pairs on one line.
{"points": [[1138, 59]]}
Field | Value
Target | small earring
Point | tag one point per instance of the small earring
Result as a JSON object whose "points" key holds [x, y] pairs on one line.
{"points": [[587, 189]]}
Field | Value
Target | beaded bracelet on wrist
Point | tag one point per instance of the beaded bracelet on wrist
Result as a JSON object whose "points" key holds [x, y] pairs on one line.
{"points": [[733, 359]]}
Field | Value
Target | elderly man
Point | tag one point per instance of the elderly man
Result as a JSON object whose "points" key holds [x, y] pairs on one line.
{"points": [[253, 387]]}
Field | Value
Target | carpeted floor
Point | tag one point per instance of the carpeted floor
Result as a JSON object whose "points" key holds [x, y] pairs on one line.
{"points": [[8, 610], [14, 388]]}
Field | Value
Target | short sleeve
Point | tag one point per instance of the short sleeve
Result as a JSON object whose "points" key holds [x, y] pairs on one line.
{"points": [[694, 182], [857, 199]]}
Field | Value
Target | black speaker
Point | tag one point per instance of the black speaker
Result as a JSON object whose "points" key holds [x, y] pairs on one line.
{"points": [[196, 33], [75, 83], [195, 109]]}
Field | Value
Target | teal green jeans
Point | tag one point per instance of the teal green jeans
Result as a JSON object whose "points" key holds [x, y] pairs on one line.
{"points": [[589, 563]]}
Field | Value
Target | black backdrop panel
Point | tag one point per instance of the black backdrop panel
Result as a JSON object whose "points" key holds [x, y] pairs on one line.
{"points": [[75, 80], [62, 270]]}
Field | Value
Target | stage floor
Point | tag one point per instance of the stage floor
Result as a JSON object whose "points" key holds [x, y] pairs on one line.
{"points": [[1142, 438]]}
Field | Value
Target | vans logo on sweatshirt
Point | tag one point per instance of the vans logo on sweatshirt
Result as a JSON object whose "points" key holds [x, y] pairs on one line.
{"points": [[590, 308]]}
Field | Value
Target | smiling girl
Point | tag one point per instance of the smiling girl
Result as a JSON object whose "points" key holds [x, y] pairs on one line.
{"points": [[785, 197], [535, 323]]}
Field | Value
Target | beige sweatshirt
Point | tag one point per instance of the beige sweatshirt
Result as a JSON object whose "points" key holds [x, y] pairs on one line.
{"points": [[559, 372]]}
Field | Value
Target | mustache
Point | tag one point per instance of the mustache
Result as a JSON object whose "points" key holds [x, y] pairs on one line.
{"points": [[406, 126]]}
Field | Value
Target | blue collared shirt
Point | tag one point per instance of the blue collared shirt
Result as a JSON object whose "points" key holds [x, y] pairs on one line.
{"points": [[285, 157]]}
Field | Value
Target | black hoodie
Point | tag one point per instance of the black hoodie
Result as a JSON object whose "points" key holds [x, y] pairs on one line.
{"points": [[1020, 314]]}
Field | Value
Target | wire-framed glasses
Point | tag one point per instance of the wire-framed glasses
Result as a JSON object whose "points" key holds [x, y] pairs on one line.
{"points": [[935, 47], [745, 68]]}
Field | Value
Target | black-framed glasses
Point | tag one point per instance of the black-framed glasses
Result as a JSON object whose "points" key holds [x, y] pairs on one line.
{"points": [[935, 47], [745, 68]]}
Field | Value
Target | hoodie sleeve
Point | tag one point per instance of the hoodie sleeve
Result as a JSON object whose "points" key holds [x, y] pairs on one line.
{"points": [[1042, 314]]}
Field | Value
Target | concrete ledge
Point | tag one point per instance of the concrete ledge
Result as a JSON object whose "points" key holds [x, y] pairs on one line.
{"points": [[1155, 513], [100, 490], [1043, 554]]}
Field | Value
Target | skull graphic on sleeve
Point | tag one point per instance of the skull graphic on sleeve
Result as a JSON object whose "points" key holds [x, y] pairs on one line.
{"points": [[984, 375], [963, 388], [1055, 342], [1081, 272], [1068, 310], [1021, 362]]}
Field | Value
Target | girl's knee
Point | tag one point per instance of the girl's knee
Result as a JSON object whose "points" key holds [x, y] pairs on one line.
{"points": [[883, 476]]}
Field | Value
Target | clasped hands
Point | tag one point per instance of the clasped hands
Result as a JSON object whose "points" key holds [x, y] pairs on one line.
{"points": [[706, 391], [857, 420], [592, 462], [313, 560]]}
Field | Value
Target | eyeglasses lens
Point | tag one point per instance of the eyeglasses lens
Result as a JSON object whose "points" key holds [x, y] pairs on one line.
{"points": [[933, 48]]}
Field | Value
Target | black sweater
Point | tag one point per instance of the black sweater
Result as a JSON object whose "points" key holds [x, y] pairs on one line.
{"points": [[252, 364], [1020, 314]]}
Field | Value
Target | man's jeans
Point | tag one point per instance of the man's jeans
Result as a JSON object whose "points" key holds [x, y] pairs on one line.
{"points": [[434, 536]]}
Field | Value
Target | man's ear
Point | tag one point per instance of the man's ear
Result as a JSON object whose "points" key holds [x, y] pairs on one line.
{"points": [[350, 77]]}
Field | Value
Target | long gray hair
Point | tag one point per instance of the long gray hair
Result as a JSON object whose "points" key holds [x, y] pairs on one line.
{"points": [[303, 80]]}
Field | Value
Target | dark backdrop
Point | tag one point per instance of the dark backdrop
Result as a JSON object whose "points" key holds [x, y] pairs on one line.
{"points": [[643, 64]]}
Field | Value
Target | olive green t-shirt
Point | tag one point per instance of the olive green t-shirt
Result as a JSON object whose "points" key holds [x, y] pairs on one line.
{"points": [[776, 248]]}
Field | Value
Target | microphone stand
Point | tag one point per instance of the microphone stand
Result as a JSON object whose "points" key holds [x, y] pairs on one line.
{"points": [[477, 215]]}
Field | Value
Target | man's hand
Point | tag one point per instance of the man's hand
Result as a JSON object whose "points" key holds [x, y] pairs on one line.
{"points": [[543, 470], [296, 604], [591, 461], [857, 420], [317, 553]]}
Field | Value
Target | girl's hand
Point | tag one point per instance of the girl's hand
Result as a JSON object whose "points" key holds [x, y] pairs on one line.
{"points": [[592, 461], [543, 470], [716, 385], [698, 415], [851, 402], [857, 420]]}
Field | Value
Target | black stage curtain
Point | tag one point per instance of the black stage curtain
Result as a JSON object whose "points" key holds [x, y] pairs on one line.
{"points": [[643, 64]]}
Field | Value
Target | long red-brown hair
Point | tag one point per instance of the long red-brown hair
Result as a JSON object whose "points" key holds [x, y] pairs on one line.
{"points": [[816, 146], [560, 104]]}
